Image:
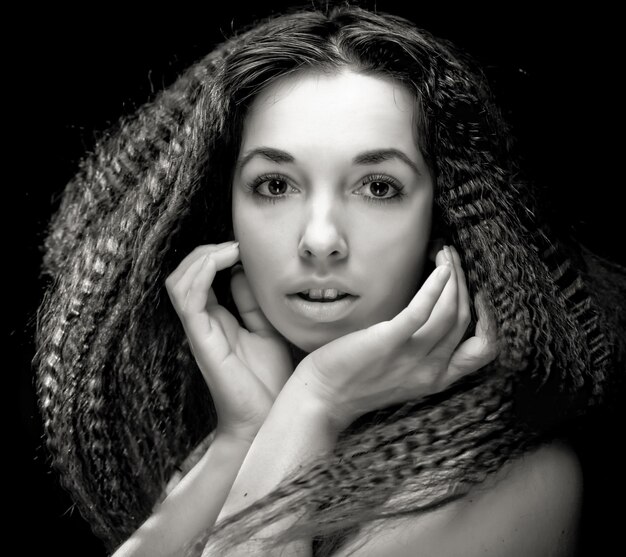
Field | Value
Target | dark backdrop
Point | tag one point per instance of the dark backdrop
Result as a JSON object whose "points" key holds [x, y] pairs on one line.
{"points": [[75, 73]]}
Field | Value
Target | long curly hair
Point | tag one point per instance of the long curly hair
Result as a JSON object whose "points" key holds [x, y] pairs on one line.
{"points": [[122, 400]]}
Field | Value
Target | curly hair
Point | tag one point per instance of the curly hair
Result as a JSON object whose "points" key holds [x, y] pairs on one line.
{"points": [[122, 400]]}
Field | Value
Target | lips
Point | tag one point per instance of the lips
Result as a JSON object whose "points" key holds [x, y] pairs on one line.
{"points": [[321, 288], [321, 310], [323, 294], [320, 301]]}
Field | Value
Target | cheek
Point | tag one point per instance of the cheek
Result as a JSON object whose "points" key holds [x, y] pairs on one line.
{"points": [[396, 260], [262, 244]]}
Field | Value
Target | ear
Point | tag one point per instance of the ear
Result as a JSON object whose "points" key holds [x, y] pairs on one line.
{"points": [[434, 246]]}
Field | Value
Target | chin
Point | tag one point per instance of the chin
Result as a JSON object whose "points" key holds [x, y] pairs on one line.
{"points": [[309, 341], [306, 345]]}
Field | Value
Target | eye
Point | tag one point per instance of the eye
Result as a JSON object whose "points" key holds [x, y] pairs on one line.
{"points": [[380, 188], [271, 187]]}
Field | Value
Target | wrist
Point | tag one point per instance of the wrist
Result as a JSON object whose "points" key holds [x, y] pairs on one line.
{"points": [[318, 399], [235, 437], [297, 430]]}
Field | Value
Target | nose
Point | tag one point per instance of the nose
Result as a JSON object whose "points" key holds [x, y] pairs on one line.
{"points": [[323, 239]]}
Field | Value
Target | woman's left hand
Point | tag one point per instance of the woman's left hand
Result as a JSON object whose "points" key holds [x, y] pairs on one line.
{"points": [[419, 352]]}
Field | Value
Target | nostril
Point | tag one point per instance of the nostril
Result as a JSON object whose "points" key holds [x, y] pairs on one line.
{"points": [[335, 248]]}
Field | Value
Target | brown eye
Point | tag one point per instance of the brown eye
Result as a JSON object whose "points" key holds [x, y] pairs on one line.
{"points": [[379, 189], [277, 187], [272, 188]]}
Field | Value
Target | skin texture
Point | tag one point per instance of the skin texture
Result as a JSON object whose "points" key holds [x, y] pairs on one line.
{"points": [[529, 508], [392, 345], [316, 220]]}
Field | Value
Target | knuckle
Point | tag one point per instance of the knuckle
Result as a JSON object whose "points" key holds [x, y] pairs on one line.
{"points": [[485, 352], [176, 293], [465, 317], [209, 260], [201, 248], [491, 350], [170, 283]]}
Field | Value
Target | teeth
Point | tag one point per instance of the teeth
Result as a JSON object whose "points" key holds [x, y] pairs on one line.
{"points": [[325, 294]]}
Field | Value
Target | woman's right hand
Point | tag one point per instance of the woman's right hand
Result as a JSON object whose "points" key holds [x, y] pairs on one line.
{"points": [[245, 369]]}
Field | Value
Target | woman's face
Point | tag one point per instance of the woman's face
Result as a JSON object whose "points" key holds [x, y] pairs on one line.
{"points": [[332, 204]]}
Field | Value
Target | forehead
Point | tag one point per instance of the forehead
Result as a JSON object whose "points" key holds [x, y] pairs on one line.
{"points": [[340, 108]]}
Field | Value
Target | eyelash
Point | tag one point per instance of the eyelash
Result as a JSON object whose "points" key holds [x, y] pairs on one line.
{"points": [[254, 185], [397, 187]]}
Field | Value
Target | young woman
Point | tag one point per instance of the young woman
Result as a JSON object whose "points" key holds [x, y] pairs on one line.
{"points": [[405, 347]]}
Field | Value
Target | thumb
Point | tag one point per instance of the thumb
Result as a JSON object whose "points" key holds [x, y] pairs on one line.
{"points": [[478, 350], [247, 305]]}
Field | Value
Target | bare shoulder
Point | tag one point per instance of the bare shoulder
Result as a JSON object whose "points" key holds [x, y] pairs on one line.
{"points": [[531, 507]]}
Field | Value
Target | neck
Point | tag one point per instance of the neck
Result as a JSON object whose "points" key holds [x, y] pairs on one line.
{"points": [[297, 355]]}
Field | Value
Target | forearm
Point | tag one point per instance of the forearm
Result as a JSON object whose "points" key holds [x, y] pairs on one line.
{"points": [[193, 505], [296, 431]]}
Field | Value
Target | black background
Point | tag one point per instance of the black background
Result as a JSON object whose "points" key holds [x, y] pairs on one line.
{"points": [[71, 74]]}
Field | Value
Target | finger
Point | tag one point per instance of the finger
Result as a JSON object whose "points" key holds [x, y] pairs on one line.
{"points": [[179, 292], [440, 258], [456, 333], [196, 255], [464, 315], [479, 350], [471, 355], [248, 307], [200, 296], [443, 316], [410, 319], [486, 325], [202, 325]]}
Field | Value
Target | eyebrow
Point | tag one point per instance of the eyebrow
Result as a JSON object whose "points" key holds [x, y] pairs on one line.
{"points": [[269, 153], [373, 156], [380, 155]]}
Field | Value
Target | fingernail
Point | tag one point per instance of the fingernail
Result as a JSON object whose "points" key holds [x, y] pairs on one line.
{"points": [[223, 245], [230, 245], [447, 253]]}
